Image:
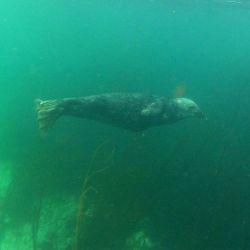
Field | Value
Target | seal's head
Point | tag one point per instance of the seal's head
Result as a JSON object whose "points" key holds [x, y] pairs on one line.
{"points": [[187, 108]]}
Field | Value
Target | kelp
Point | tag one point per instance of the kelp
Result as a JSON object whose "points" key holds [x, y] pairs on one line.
{"points": [[93, 170]]}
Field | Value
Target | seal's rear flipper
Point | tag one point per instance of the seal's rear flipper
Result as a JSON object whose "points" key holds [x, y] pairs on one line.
{"points": [[47, 113]]}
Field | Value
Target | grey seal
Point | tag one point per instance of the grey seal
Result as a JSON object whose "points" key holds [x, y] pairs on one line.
{"points": [[134, 112]]}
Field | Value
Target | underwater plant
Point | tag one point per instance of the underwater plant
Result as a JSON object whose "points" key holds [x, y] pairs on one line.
{"points": [[86, 188]]}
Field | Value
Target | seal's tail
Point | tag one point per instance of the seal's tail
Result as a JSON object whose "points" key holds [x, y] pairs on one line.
{"points": [[47, 113]]}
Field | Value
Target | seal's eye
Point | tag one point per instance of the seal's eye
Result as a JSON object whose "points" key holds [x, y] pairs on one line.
{"points": [[191, 108]]}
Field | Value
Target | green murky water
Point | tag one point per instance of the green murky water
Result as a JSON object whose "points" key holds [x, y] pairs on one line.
{"points": [[89, 186]]}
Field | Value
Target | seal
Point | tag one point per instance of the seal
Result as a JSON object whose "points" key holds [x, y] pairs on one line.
{"points": [[134, 112]]}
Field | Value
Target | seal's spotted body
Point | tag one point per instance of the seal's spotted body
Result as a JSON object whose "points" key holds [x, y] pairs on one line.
{"points": [[135, 112]]}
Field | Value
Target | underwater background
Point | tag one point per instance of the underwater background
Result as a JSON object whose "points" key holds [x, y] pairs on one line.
{"points": [[89, 186]]}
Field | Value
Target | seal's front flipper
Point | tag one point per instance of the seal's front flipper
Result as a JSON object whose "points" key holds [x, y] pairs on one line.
{"points": [[153, 109], [47, 113]]}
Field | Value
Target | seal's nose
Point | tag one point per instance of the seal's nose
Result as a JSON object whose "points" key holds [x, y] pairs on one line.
{"points": [[199, 114]]}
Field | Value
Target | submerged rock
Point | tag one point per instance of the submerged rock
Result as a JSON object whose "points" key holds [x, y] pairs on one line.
{"points": [[139, 241]]}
